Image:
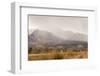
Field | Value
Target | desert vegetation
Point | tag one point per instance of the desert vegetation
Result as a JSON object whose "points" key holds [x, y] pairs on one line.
{"points": [[56, 53]]}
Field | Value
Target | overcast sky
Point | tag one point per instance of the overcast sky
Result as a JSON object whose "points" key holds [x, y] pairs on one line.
{"points": [[57, 24]]}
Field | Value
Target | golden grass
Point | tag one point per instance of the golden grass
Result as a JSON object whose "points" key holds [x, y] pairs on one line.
{"points": [[59, 55]]}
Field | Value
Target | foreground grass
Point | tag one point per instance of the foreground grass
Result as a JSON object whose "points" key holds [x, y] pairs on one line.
{"points": [[59, 55]]}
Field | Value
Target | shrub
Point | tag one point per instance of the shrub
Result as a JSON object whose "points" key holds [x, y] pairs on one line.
{"points": [[58, 56]]}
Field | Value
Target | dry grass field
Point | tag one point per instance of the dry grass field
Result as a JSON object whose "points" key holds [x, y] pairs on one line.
{"points": [[58, 55]]}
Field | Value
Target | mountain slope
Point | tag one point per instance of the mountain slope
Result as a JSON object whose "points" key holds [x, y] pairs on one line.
{"points": [[43, 37]]}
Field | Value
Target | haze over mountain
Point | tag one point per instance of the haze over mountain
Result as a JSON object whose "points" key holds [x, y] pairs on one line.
{"points": [[40, 37], [69, 35]]}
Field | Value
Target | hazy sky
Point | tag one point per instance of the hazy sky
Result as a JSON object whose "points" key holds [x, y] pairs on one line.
{"points": [[58, 24]]}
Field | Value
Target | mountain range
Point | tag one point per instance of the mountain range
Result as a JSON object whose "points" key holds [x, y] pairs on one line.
{"points": [[40, 37]]}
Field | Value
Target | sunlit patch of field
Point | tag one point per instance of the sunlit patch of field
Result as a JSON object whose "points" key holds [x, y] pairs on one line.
{"points": [[58, 55]]}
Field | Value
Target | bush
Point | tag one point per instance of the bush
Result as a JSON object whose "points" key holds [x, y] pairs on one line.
{"points": [[30, 50], [58, 56]]}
